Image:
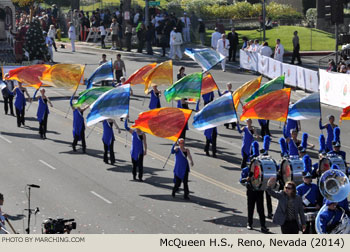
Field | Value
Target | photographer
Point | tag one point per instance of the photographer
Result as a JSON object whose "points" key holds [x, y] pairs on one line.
{"points": [[2, 216]]}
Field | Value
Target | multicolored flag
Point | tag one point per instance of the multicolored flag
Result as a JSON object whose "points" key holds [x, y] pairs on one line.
{"points": [[160, 75], [28, 75], [163, 122], [208, 84], [137, 76], [271, 106], [215, 113], [89, 96], [272, 85], [113, 103], [306, 108], [187, 87], [102, 73], [207, 58], [246, 90], [345, 115], [66, 76]]}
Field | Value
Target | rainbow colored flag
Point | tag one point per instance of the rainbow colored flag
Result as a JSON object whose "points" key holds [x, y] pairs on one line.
{"points": [[160, 75], [207, 58], [187, 87], [89, 96], [246, 90], [28, 75], [102, 73], [271, 106], [66, 76], [306, 108], [345, 115], [208, 84], [112, 104], [216, 113], [137, 76], [272, 85], [163, 122]]}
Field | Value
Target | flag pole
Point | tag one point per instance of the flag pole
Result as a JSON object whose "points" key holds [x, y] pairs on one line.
{"points": [[320, 109], [234, 110], [76, 89], [91, 131]]}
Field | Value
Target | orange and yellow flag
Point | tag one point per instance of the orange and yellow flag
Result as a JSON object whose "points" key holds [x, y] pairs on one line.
{"points": [[66, 76], [246, 90], [271, 106], [163, 122], [137, 76], [160, 75], [208, 84], [345, 115], [28, 75]]}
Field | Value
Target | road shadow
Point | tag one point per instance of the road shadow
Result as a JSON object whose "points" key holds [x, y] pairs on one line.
{"points": [[230, 136], [22, 135], [127, 168], [231, 168], [222, 156]]}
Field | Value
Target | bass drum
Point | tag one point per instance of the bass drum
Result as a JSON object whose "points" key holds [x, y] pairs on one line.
{"points": [[263, 168], [326, 163], [292, 170]]}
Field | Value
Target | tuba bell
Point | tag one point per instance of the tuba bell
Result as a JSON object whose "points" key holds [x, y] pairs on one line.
{"points": [[334, 185]]}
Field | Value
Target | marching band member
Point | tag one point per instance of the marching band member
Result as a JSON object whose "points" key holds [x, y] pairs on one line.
{"points": [[78, 126], [43, 113], [138, 150], [290, 125], [331, 217], [254, 197], [154, 101], [229, 90], [20, 103], [211, 135], [248, 137], [182, 168], [283, 147], [336, 144], [265, 152], [309, 193], [329, 126], [108, 139]]}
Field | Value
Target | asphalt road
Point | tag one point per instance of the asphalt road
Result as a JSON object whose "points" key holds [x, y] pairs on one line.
{"points": [[103, 198]]}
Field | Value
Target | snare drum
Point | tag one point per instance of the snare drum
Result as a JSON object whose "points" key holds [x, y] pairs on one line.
{"points": [[292, 170], [326, 163], [263, 168]]}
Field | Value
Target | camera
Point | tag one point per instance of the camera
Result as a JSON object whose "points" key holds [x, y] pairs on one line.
{"points": [[58, 226]]}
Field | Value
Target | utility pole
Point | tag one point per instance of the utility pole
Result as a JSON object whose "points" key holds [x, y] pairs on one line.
{"points": [[264, 18], [147, 13]]}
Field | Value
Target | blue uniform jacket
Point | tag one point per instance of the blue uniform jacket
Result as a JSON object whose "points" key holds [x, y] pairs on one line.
{"points": [[20, 101], [291, 124], [340, 153], [108, 135], [329, 217], [136, 146], [329, 135], [181, 163], [247, 140], [42, 110], [293, 149], [208, 97], [78, 123], [313, 194], [209, 133], [154, 102]]}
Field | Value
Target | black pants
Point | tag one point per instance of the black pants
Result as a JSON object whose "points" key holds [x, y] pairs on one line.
{"points": [[118, 74], [265, 129], [255, 197], [296, 54], [54, 44], [149, 47], [8, 102], [20, 116], [137, 164], [103, 45], [232, 53], [111, 152], [227, 125], [140, 46], [290, 227], [128, 42], [213, 143], [76, 139], [178, 184], [244, 160], [268, 203], [43, 126]]}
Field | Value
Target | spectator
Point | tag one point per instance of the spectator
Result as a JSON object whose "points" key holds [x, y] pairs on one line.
{"points": [[342, 68], [245, 43], [331, 66], [114, 31], [256, 46], [176, 42], [215, 36], [149, 38], [201, 31], [222, 47], [103, 35], [279, 51], [141, 36], [48, 42], [266, 50], [102, 61], [296, 48], [186, 28], [72, 35], [52, 34], [348, 69], [119, 66], [233, 39], [8, 96], [128, 35]]}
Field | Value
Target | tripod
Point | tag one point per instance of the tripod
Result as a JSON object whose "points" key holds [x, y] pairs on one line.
{"points": [[30, 211]]}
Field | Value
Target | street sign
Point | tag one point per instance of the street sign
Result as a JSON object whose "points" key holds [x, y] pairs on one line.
{"points": [[154, 3]]}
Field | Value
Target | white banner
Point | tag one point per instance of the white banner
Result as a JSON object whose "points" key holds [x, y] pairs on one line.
{"points": [[311, 80], [334, 88], [275, 68], [263, 64], [301, 78], [290, 74], [248, 60]]}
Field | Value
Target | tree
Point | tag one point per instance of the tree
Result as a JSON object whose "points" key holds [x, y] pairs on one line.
{"points": [[35, 42], [28, 3], [59, 3]]}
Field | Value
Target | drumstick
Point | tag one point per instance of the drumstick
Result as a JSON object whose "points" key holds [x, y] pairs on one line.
{"points": [[8, 222]]}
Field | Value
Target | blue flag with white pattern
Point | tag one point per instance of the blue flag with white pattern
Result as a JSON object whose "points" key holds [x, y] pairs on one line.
{"points": [[207, 58], [306, 108], [102, 73]]}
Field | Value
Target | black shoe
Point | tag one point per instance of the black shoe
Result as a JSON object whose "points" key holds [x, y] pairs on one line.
{"points": [[249, 227], [207, 153], [214, 155], [84, 150], [265, 230], [140, 179], [270, 216], [173, 194], [74, 149], [134, 177], [106, 161], [186, 197], [12, 114]]}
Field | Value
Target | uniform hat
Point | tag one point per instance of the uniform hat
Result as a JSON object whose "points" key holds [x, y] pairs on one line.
{"points": [[328, 202], [308, 175]]}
